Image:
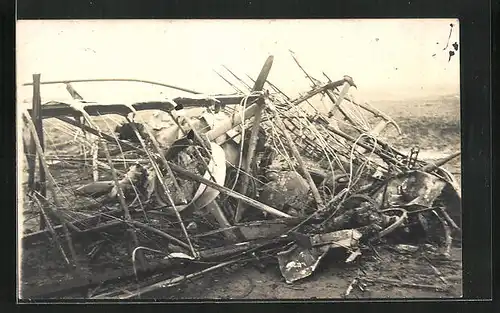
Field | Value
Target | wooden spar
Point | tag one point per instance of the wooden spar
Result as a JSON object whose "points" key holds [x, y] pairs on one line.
{"points": [[348, 83], [315, 82], [37, 118], [376, 113], [329, 93], [258, 86], [31, 153], [337, 104], [123, 109]]}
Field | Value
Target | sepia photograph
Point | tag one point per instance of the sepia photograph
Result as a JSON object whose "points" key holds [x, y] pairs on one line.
{"points": [[245, 160]]}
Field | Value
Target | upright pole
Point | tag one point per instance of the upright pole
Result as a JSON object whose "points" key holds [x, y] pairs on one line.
{"points": [[258, 86], [38, 121]]}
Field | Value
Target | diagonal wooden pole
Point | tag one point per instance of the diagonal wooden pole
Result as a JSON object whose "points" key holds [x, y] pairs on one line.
{"points": [[258, 86]]}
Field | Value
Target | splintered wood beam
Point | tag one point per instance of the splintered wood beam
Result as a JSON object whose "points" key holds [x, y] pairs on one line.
{"points": [[240, 209], [258, 86]]}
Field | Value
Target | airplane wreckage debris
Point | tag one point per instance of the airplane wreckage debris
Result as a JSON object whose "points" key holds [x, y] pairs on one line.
{"points": [[256, 176]]}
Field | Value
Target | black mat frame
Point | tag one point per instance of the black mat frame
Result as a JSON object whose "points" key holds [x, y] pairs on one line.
{"points": [[476, 110]]}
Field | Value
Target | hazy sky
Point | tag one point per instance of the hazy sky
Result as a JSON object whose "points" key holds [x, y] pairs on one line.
{"points": [[386, 58]]}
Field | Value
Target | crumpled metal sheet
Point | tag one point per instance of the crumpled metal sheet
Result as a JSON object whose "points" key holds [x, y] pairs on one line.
{"points": [[346, 238], [299, 262], [416, 187], [453, 196], [452, 181], [422, 188], [293, 189]]}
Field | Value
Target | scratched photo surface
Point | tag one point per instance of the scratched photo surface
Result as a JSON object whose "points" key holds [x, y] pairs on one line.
{"points": [[238, 159]]}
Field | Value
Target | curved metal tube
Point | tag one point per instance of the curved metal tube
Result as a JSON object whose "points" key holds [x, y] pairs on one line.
{"points": [[389, 229], [115, 80]]}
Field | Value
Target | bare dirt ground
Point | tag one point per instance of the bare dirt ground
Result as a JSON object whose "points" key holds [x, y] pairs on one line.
{"points": [[434, 126], [385, 276]]}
